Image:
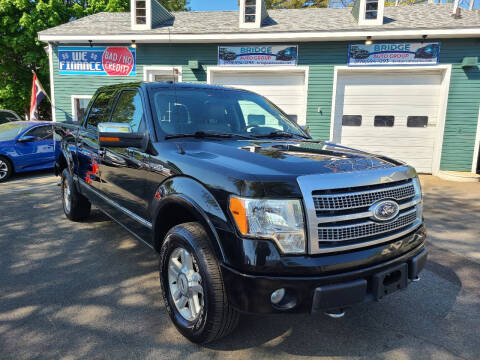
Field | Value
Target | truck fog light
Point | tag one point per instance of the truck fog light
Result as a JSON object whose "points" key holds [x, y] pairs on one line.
{"points": [[277, 296]]}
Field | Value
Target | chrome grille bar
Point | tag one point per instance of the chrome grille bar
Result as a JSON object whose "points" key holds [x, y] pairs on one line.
{"points": [[390, 183], [352, 200], [365, 229]]}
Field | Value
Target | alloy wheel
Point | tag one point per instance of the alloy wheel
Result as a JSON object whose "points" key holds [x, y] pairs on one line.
{"points": [[3, 169], [67, 201], [185, 284]]}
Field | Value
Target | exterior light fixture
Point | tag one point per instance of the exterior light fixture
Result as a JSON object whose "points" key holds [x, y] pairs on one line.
{"points": [[424, 37], [90, 42], [369, 41], [133, 44]]}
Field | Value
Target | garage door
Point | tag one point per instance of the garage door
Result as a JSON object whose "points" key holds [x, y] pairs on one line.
{"points": [[287, 90], [388, 113]]}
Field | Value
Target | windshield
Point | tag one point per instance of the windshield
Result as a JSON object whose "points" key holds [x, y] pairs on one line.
{"points": [[10, 131], [218, 111]]}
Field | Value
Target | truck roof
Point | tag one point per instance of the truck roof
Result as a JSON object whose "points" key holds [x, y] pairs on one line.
{"points": [[146, 85]]}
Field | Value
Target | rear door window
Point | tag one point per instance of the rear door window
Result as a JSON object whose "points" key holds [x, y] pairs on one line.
{"points": [[101, 109]]}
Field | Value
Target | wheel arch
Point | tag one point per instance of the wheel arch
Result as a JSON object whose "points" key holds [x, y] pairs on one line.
{"points": [[61, 163], [172, 206], [10, 161]]}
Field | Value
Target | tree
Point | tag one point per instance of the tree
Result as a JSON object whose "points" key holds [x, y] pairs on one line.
{"points": [[295, 4], [20, 50]]}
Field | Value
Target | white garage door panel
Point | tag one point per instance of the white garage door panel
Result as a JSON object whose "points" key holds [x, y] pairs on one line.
{"points": [[287, 90], [390, 94]]}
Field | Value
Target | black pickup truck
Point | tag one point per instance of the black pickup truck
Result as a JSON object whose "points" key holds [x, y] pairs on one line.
{"points": [[247, 212]]}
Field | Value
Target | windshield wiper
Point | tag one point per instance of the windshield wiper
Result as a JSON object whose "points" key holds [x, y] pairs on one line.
{"points": [[279, 133], [203, 134]]}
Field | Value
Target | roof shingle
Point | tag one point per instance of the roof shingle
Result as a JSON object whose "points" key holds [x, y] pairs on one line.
{"points": [[416, 17]]}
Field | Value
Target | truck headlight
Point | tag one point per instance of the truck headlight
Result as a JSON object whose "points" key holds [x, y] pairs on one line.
{"points": [[418, 194], [417, 186], [279, 220]]}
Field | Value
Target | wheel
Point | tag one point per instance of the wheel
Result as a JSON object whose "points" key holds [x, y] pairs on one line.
{"points": [[192, 285], [6, 168], [75, 206]]}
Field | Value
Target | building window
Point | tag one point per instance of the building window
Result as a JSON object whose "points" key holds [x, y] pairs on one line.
{"points": [[352, 120], [250, 11], [383, 121], [371, 9], [140, 12], [79, 106], [417, 121]]}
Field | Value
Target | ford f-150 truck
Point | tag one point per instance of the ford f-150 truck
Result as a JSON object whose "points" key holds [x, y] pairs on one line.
{"points": [[248, 213]]}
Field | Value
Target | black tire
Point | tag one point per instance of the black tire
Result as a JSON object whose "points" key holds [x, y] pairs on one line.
{"points": [[217, 318], [80, 207], [6, 169]]}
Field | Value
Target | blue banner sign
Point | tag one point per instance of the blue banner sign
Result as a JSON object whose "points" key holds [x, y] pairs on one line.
{"points": [[394, 54], [100, 61], [257, 55]]}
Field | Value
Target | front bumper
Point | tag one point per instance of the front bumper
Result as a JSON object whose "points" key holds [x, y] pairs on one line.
{"points": [[252, 293]]}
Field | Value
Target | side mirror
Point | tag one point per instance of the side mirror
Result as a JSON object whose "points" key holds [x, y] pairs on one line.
{"points": [[26, 138], [120, 135]]}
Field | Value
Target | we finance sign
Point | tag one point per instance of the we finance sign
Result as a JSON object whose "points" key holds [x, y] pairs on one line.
{"points": [[100, 61], [394, 54]]}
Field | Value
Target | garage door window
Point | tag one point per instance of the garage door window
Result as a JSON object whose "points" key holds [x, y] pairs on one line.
{"points": [[383, 121], [352, 120], [417, 121], [256, 116]]}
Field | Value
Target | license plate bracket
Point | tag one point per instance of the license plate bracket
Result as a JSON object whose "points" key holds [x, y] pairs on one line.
{"points": [[390, 280]]}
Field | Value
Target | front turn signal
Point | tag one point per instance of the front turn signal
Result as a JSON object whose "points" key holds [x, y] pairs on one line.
{"points": [[238, 211]]}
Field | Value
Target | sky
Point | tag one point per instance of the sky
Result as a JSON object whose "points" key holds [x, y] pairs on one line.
{"points": [[209, 5]]}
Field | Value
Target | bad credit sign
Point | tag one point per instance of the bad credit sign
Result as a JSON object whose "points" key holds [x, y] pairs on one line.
{"points": [[100, 61], [394, 54]]}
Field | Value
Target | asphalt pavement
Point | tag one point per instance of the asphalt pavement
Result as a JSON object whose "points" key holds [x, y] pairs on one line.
{"points": [[91, 291]]}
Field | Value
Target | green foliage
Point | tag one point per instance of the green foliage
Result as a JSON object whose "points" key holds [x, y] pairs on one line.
{"points": [[295, 4], [20, 50]]}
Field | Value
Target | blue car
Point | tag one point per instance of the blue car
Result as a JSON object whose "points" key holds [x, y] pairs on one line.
{"points": [[26, 146]]}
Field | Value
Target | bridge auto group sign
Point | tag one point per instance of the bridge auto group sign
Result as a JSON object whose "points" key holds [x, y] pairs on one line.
{"points": [[100, 61], [394, 54]]}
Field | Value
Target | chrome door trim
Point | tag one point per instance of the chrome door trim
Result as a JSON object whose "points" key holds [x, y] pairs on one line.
{"points": [[127, 212]]}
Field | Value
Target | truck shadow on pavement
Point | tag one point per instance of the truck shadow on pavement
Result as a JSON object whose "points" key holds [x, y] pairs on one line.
{"points": [[89, 290]]}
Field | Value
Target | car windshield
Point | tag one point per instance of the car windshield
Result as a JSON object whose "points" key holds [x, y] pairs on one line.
{"points": [[10, 131], [190, 111]]}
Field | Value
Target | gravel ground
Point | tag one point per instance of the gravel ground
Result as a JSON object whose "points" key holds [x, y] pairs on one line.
{"points": [[91, 291]]}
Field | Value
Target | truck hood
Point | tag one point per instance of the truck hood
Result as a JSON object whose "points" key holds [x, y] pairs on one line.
{"points": [[283, 158], [261, 168]]}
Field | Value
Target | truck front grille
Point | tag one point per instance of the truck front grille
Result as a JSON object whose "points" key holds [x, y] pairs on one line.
{"points": [[359, 199], [361, 230], [343, 219]]}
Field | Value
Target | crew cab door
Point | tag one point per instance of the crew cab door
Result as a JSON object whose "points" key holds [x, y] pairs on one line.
{"points": [[87, 144], [123, 170]]}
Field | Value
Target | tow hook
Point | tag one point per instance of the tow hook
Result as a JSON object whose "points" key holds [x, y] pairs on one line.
{"points": [[335, 314]]}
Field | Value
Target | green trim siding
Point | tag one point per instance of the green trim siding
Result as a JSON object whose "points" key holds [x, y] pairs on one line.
{"points": [[321, 57]]}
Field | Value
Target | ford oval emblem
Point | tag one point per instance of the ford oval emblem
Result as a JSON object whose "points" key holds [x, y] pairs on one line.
{"points": [[385, 210]]}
